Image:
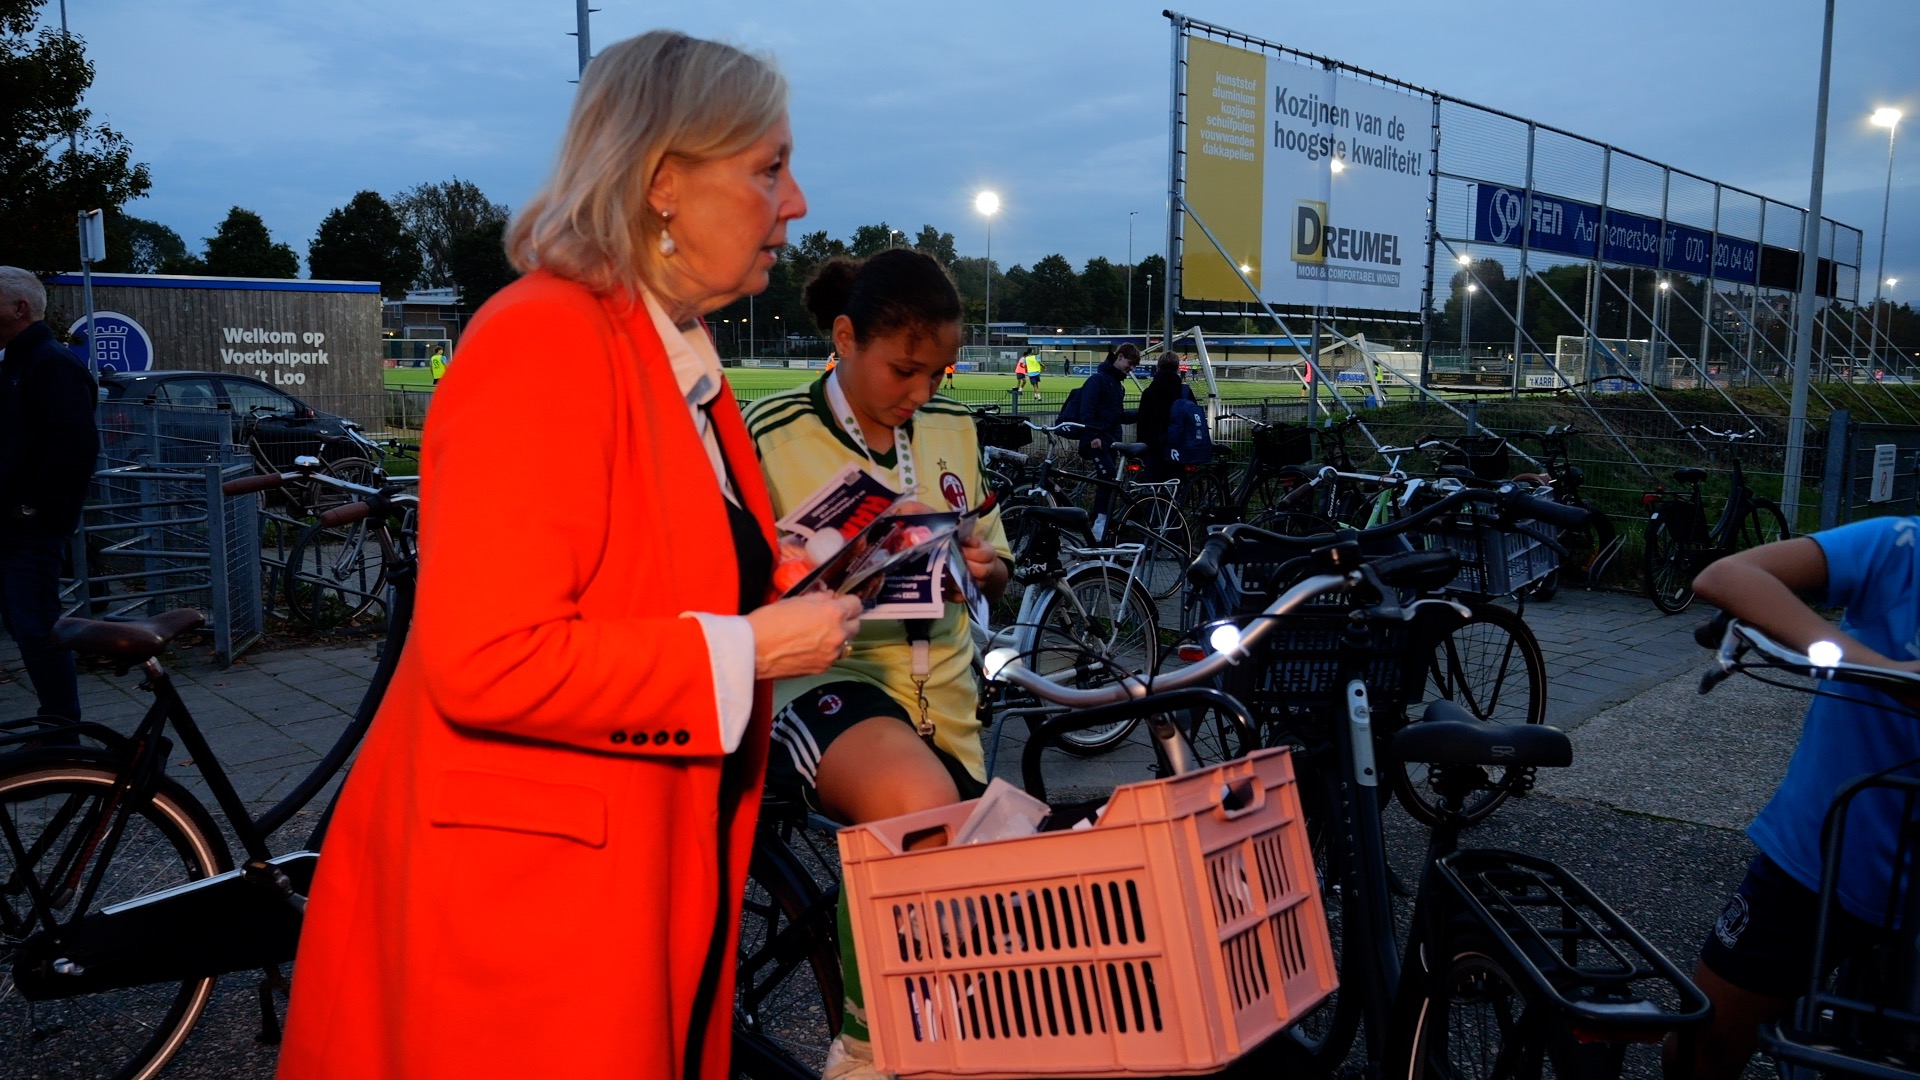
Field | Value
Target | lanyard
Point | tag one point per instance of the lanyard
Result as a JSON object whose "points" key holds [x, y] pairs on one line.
{"points": [[902, 443]]}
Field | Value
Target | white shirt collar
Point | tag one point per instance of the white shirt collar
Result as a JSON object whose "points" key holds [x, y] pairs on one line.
{"points": [[696, 366]]}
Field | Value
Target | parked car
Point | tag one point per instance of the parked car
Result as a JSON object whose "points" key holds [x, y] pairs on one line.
{"points": [[197, 411]]}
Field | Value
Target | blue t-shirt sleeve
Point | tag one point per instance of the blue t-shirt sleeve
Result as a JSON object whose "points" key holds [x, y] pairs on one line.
{"points": [[1871, 569]]}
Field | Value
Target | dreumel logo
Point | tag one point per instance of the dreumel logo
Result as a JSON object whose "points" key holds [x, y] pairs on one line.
{"points": [[119, 342]]}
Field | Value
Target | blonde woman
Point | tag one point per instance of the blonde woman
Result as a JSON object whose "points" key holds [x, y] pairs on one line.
{"points": [[536, 866]]}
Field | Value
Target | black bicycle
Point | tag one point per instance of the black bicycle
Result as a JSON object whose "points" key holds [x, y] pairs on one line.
{"points": [[1591, 547], [119, 899], [1680, 543]]}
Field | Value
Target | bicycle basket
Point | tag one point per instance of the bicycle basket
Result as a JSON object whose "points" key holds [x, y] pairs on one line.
{"points": [[1485, 455], [1005, 432], [1283, 444], [1170, 938], [1495, 559], [1867, 1022], [1294, 679]]}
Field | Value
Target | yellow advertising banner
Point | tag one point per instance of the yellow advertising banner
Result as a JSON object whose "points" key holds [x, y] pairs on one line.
{"points": [[1226, 89]]}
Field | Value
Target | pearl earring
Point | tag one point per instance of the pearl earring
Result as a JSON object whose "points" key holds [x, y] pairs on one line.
{"points": [[667, 246]]}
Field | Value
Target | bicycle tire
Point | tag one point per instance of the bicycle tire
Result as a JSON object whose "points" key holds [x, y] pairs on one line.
{"points": [[1492, 665], [334, 575], [167, 840], [1100, 611], [1473, 1028], [1158, 524], [1763, 523], [788, 990], [1669, 582], [1205, 498]]}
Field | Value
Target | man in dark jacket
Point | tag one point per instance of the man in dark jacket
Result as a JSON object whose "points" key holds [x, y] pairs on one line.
{"points": [[48, 444], [1103, 411]]}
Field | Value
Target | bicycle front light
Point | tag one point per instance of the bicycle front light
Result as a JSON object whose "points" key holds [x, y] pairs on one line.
{"points": [[1225, 638], [996, 662], [1823, 654]]}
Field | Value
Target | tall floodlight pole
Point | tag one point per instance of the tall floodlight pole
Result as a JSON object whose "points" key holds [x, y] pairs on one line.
{"points": [[1809, 278], [1889, 119], [81, 218], [1131, 214], [580, 13], [988, 204], [1149, 310]]}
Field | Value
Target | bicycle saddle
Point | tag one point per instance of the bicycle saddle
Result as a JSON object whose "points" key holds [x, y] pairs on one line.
{"points": [[1689, 475], [1131, 449], [1447, 734], [134, 641], [1067, 517]]}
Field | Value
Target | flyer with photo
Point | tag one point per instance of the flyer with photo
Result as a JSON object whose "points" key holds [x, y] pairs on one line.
{"points": [[862, 545]]}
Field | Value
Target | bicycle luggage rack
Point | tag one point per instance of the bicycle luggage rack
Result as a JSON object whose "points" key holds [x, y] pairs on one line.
{"points": [[1576, 950], [1836, 1030]]}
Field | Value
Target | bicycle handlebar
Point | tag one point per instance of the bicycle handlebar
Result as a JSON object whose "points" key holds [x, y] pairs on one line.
{"points": [[1730, 436], [1739, 638], [1512, 500], [993, 453], [345, 513], [247, 485]]}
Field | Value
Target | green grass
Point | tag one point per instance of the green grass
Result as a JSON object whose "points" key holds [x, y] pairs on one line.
{"points": [[980, 388]]}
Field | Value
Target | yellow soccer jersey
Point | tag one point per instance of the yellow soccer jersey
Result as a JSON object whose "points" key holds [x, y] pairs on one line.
{"points": [[801, 447]]}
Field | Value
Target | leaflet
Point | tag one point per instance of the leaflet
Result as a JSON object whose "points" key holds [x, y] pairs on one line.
{"points": [[861, 544]]}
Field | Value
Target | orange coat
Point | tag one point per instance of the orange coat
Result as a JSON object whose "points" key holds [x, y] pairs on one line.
{"points": [[539, 849]]}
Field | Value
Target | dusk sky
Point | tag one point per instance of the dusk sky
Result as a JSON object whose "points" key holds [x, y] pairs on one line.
{"points": [[902, 111]]}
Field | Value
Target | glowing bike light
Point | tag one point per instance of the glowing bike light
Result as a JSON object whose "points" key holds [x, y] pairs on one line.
{"points": [[1823, 653], [1225, 638]]}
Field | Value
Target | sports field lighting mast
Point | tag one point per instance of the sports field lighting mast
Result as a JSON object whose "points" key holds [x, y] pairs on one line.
{"points": [[1131, 214], [1888, 118], [988, 204]]}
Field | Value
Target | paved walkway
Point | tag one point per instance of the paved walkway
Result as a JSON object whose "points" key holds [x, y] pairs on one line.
{"points": [[1663, 778]]}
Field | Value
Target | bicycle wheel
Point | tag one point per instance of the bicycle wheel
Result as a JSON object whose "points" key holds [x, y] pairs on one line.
{"points": [[1204, 497], [50, 809], [1763, 523], [1158, 524], [788, 992], [1668, 568], [1491, 665], [319, 496], [1097, 623], [1474, 1026], [334, 575]]}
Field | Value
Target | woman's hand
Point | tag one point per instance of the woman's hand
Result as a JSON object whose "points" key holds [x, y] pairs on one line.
{"points": [[803, 635]]}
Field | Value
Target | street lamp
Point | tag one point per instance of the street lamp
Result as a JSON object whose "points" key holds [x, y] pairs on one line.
{"points": [[1149, 309], [1890, 119], [988, 204], [1466, 318], [891, 233], [1131, 214]]}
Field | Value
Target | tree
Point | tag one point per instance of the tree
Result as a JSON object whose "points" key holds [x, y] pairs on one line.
{"points": [[242, 247], [478, 261], [150, 245], [1105, 286], [1053, 294], [937, 244], [438, 214], [53, 161], [365, 241], [868, 239]]}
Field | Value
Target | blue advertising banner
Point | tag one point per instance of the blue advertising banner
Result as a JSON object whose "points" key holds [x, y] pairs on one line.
{"points": [[1689, 250], [1632, 239], [1736, 260], [1562, 225]]}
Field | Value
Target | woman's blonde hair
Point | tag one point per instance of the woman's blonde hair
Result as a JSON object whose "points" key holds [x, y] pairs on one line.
{"points": [[641, 100]]}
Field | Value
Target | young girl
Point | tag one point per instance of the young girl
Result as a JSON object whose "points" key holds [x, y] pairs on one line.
{"points": [[890, 728]]}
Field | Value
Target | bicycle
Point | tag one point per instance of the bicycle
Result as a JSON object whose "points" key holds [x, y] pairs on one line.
{"points": [[119, 899], [1083, 616], [1861, 1017], [1680, 544], [336, 571], [1592, 547], [1506, 953], [1147, 513]]}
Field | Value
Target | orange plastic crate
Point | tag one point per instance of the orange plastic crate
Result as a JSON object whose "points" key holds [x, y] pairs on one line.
{"points": [[1169, 939]]}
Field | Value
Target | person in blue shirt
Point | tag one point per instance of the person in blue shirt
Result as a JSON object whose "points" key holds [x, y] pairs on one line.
{"points": [[1759, 954]]}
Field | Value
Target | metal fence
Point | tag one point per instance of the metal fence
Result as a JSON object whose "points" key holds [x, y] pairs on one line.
{"points": [[158, 534]]}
